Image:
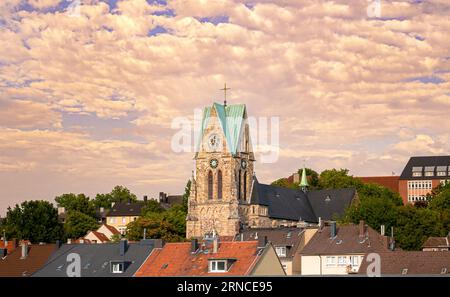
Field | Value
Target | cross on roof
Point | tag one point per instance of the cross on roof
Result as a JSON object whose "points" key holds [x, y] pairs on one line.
{"points": [[225, 93]]}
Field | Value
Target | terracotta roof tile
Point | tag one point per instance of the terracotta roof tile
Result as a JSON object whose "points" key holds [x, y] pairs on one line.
{"points": [[176, 259], [12, 265], [112, 229]]}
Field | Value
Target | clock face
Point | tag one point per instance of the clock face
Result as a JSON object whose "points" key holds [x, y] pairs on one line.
{"points": [[244, 164], [213, 163], [214, 141]]}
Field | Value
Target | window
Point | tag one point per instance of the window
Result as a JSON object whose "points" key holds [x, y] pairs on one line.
{"points": [[210, 185], [112, 220], [218, 266], [429, 173], [219, 185], [354, 260], [239, 186], [245, 185], [331, 261], [117, 267], [416, 174], [342, 261], [124, 220], [441, 173], [281, 251]]}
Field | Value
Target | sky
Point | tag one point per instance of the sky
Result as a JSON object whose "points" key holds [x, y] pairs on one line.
{"points": [[89, 89]]}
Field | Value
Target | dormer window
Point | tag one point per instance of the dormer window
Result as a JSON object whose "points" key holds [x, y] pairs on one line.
{"points": [[429, 171], [117, 267], [281, 251], [220, 265], [441, 171], [417, 171]]}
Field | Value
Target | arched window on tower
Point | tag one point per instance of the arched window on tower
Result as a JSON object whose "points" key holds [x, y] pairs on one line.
{"points": [[210, 185], [219, 185], [239, 186], [245, 185]]}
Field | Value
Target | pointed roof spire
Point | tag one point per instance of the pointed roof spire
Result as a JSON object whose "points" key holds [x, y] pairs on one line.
{"points": [[304, 181]]}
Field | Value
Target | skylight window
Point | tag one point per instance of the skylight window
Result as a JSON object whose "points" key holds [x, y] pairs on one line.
{"points": [[405, 271]]}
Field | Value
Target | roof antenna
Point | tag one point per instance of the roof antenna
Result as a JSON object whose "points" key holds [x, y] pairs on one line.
{"points": [[225, 94]]}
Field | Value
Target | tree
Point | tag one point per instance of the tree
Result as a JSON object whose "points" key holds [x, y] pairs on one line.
{"points": [[152, 206], [284, 182], [187, 192], [78, 224], [80, 203], [36, 221], [337, 179], [118, 194]]}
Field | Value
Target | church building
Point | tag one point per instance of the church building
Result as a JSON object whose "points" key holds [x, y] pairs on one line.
{"points": [[226, 197]]}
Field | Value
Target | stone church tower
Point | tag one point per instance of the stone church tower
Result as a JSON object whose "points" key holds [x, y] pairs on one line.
{"points": [[222, 185]]}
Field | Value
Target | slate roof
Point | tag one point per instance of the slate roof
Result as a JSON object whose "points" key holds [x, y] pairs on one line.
{"points": [[126, 209], [346, 242], [176, 259], [416, 263], [424, 162], [296, 205], [288, 237], [13, 266], [95, 259]]}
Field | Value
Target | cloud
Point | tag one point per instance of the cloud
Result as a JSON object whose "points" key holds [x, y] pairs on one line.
{"points": [[344, 86]]}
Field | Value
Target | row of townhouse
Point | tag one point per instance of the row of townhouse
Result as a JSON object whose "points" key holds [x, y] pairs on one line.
{"points": [[326, 250]]}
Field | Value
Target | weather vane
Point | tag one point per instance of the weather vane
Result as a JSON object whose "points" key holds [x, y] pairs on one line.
{"points": [[225, 93]]}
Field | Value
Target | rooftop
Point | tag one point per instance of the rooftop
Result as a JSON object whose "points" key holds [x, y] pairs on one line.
{"points": [[430, 164], [126, 209]]}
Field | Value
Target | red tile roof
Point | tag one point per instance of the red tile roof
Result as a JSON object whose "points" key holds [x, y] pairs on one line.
{"points": [[12, 265], [176, 259], [10, 246], [390, 182], [102, 237], [112, 229], [423, 263]]}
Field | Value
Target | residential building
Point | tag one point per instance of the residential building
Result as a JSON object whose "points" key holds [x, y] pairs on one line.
{"points": [[167, 201], [421, 175], [100, 260], [24, 260], [390, 182], [226, 195], [213, 258], [434, 244], [339, 250], [288, 243], [123, 213], [408, 263], [100, 214], [102, 235]]}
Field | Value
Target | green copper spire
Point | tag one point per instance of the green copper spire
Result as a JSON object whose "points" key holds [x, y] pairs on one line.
{"points": [[304, 182]]}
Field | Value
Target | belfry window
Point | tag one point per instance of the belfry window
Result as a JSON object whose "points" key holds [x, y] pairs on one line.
{"points": [[245, 185], [219, 185], [210, 185]]}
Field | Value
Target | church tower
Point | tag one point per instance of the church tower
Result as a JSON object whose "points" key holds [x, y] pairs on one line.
{"points": [[223, 172]]}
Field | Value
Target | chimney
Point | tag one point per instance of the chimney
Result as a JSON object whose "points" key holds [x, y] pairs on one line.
{"points": [[194, 245], [296, 177], [24, 250], [392, 241], [333, 231], [382, 231], [320, 223], [112, 204], [145, 233], [386, 242], [161, 197], [145, 198], [69, 241], [58, 244], [123, 245], [3, 252], [242, 236], [361, 228], [14, 243], [262, 241], [215, 244]]}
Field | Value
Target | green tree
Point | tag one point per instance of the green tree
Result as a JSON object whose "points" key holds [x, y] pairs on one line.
{"points": [[284, 182], [187, 192], [118, 194], [36, 221], [80, 203], [337, 179], [151, 207], [78, 224]]}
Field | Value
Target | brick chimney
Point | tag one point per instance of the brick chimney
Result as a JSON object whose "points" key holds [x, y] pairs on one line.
{"points": [[215, 244], [362, 228], [24, 250]]}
